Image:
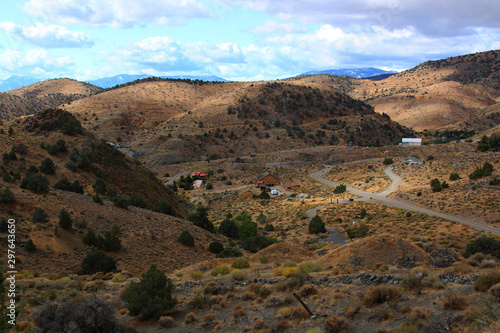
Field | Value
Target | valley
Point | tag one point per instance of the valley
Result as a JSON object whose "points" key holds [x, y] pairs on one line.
{"points": [[371, 235]]}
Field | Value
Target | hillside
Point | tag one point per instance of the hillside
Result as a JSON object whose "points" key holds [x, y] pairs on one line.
{"points": [[42, 95], [147, 213], [186, 120], [453, 93]]}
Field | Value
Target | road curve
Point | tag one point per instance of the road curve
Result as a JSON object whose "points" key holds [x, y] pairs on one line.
{"points": [[380, 198]]}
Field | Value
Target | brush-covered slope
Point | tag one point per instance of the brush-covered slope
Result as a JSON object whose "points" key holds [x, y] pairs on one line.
{"points": [[148, 234], [181, 121], [453, 93], [42, 95]]}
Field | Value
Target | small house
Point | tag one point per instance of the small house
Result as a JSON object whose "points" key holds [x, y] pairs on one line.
{"points": [[412, 161], [198, 183], [411, 142], [267, 179]]}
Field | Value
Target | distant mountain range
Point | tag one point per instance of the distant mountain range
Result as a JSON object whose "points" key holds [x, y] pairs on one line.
{"points": [[357, 73], [16, 81]]}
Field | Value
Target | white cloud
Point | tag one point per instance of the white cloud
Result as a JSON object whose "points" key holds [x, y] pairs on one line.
{"points": [[270, 27], [429, 17], [48, 35], [36, 61], [117, 13]]}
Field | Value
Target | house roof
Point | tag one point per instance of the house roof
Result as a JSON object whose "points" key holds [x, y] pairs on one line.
{"points": [[412, 159], [412, 140], [198, 183], [266, 174]]}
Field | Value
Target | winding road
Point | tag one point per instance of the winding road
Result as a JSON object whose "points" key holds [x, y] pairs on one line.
{"points": [[381, 198]]}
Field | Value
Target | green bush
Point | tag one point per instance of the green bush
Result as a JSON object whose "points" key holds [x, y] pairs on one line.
{"points": [[485, 282], [388, 161], [120, 201], [229, 252], [185, 238], [246, 227], [240, 263], [485, 171], [39, 216], [65, 221], [164, 207], [220, 270], [58, 147], [90, 238], [6, 195], [256, 243], [436, 185], [35, 182], [99, 186], [340, 189], [47, 166], [215, 247], [310, 266], [454, 176], [228, 228], [316, 226], [151, 297], [485, 245], [64, 185], [30, 247], [97, 261], [238, 274], [200, 218]]}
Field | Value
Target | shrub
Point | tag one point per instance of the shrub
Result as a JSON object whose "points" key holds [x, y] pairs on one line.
{"points": [[39, 216], [316, 226], [185, 238], [200, 219], [6, 195], [336, 324], [454, 176], [94, 315], [486, 245], [256, 243], [99, 186], [64, 185], [388, 161], [485, 282], [340, 189], [165, 321], [229, 252], [284, 313], [453, 301], [97, 261], [381, 294], [220, 270], [151, 297], [246, 227], [119, 277], [35, 182], [58, 147], [289, 264], [310, 266], [290, 271], [197, 275], [30, 247], [209, 186], [436, 185], [65, 221], [164, 207], [495, 291], [97, 199], [119, 201], [215, 247], [238, 274], [228, 228], [240, 263]]}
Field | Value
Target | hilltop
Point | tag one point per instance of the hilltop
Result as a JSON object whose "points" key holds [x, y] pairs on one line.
{"points": [[186, 120], [454, 93], [42, 95]]}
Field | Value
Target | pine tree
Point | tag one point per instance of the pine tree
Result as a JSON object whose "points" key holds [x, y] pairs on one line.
{"points": [[65, 221], [316, 226]]}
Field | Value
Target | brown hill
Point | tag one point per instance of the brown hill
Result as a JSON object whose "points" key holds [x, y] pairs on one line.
{"points": [[453, 93], [148, 234], [180, 121], [42, 95]]}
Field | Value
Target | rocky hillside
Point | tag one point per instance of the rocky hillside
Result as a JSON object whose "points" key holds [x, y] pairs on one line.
{"points": [[42, 95], [181, 121], [51, 163], [455, 93]]}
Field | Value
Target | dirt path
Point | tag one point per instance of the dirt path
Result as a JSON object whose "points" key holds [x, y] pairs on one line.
{"points": [[381, 199], [395, 182]]}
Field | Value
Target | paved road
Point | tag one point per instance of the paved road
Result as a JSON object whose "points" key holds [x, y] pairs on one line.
{"points": [[177, 176], [334, 235], [381, 199]]}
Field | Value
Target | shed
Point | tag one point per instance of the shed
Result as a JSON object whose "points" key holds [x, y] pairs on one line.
{"points": [[412, 160], [411, 142]]}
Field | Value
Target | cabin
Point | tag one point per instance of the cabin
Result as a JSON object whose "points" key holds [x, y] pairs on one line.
{"points": [[412, 161], [411, 142], [267, 179]]}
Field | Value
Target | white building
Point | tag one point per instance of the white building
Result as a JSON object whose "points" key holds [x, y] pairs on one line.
{"points": [[411, 142]]}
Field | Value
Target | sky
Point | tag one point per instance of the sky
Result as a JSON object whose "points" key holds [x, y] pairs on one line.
{"points": [[246, 40]]}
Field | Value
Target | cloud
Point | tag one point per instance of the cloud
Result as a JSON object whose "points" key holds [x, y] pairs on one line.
{"points": [[117, 13], [429, 17], [48, 36], [270, 27], [36, 61]]}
